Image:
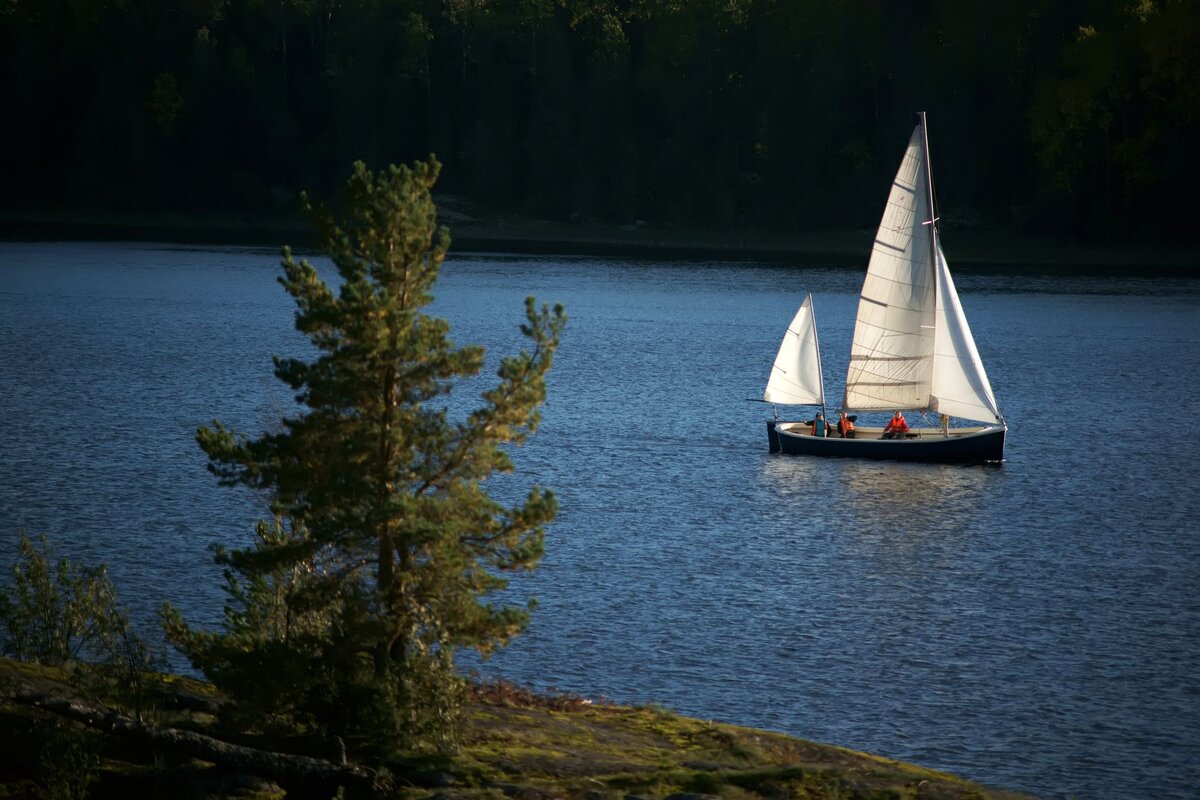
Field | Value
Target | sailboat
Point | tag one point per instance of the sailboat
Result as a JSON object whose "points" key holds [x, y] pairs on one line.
{"points": [[912, 348]]}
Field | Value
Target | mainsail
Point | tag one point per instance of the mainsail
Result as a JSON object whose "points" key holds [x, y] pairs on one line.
{"points": [[891, 357], [796, 375], [912, 347]]}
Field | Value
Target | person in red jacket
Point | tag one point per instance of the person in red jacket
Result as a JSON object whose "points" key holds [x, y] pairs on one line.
{"points": [[896, 428], [845, 426]]}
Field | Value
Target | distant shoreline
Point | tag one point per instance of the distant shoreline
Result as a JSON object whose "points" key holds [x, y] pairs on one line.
{"points": [[968, 249]]}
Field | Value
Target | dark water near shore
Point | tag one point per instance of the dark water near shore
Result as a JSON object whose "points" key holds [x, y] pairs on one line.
{"points": [[1034, 626]]}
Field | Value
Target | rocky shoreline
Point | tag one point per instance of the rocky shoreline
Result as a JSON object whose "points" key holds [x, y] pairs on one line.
{"points": [[516, 744]]}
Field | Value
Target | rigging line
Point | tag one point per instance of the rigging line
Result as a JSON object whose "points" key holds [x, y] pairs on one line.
{"points": [[933, 228]]}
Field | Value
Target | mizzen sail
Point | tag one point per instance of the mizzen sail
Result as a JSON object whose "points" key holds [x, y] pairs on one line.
{"points": [[796, 374]]}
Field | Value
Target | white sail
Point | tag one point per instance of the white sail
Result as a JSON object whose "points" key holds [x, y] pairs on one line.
{"points": [[796, 375], [960, 385], [891, 358]]}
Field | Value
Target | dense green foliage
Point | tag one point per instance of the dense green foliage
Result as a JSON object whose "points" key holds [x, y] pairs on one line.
{"points": [[62, 611], [59, 611], [1074, 116], [343, 619]]}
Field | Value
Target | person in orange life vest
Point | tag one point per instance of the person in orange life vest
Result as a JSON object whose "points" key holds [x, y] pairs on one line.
{"points": [[845, 427], [819, 426], [896, 428]]}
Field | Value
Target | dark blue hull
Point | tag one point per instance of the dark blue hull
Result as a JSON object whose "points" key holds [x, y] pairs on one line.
{"points": [[977, 447]]}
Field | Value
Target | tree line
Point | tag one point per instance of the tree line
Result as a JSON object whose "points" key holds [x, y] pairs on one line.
{"points": [[1077, 116]]}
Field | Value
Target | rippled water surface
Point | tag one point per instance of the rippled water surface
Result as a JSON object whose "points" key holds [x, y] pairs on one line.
{"points": [[1034, 626]]}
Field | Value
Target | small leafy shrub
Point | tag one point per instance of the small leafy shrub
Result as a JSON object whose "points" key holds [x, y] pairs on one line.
{"points": [[61, 611], [55, 613]]}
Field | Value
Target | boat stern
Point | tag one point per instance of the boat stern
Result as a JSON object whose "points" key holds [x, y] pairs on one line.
{"points": [[773, 437]]}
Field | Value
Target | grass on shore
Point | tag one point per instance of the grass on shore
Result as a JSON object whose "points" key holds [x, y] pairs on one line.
{"points": [[517, 745]]}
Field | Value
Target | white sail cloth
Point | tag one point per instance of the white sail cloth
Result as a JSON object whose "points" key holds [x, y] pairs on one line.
{"points": [[912, 347], [891, 353], [960, 384], [796, 374]]}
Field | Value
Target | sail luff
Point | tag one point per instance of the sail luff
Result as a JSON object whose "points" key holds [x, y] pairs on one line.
{"points": [[931, 226], [796, 377]]}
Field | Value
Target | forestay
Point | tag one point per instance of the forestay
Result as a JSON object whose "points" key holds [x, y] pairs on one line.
{"points": [[796, 374]]}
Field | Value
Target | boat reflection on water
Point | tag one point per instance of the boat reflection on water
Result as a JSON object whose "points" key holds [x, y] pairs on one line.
{"points": [[913, 488], [922, 509], [894, 504]]}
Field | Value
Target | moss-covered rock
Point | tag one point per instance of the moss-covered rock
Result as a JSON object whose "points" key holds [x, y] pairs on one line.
{"points": [[517, 745]]}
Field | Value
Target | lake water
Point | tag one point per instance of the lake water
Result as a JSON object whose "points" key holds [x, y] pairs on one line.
{"points": [[1034, 626]]}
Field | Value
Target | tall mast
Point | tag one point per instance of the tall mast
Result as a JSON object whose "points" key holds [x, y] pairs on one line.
{"points": [[817, 344], [932, 223]]}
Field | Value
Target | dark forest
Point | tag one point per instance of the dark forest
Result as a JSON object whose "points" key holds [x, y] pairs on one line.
{"points": [[1078, 118]]}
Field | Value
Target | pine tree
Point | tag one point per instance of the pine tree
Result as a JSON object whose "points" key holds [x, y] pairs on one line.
{"points": [[344, 616]]}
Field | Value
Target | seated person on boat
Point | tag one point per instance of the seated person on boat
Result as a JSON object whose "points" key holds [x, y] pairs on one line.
{"points": [[845, 426], [896, 428], [819, 426]]}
